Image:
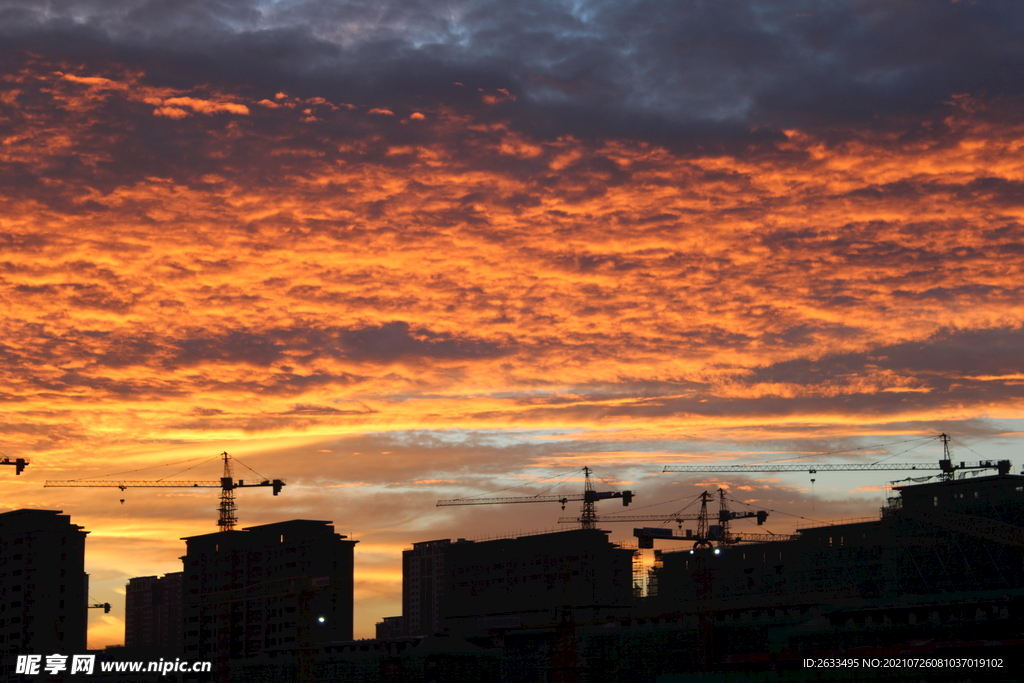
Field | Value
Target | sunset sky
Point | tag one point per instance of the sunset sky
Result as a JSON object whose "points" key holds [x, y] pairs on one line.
{"points": [[394, 252]]}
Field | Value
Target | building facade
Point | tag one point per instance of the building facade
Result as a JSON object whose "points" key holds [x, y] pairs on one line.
{"points": [[152, 614], [43, 584], [283, 585]]}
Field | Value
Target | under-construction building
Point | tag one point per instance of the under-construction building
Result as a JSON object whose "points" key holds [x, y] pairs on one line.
{"points": [[942, 558], [276, 586], [939, 574], [43, 584]]}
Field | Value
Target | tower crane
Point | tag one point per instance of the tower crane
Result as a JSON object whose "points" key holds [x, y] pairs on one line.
{"points": [[227, 485], [19, 464], [724, 517], [946, 466], [588, 514], [707, 533]]}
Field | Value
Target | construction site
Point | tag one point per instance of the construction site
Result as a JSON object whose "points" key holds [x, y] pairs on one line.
{"points": [[937, 575]]}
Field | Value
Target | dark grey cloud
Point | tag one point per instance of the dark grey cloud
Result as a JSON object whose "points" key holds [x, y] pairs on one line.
{"points": [[952, 368], [385, 343], [949, 357], [698, 73]]}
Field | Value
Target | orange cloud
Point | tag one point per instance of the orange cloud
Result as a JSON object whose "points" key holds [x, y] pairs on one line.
{"points": [[170, 112], [206, 106]]}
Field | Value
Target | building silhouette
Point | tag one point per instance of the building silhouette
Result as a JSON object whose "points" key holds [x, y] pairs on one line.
{"points": [[390, 628], [939, 574], [286, 585], [152, 614], [43, 584], [938, 539], [423, 582], [526, 581]]}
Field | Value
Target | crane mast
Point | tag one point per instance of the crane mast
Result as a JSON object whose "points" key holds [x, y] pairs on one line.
{"points": [[723, 516], [702, 523], [228, 516], [588, 514]]}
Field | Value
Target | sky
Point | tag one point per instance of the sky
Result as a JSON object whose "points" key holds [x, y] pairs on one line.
{"points": [[396, 252]]}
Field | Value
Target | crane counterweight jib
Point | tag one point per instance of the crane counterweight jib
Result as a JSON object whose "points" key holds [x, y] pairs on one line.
{"points": [[19, 464], [594, 496]]}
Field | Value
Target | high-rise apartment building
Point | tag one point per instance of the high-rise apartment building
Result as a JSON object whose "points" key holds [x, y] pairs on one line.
{"points": [[468, 588], [535, 580], [152, 614], [43, 584], [423, 580], [276, 586]]}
